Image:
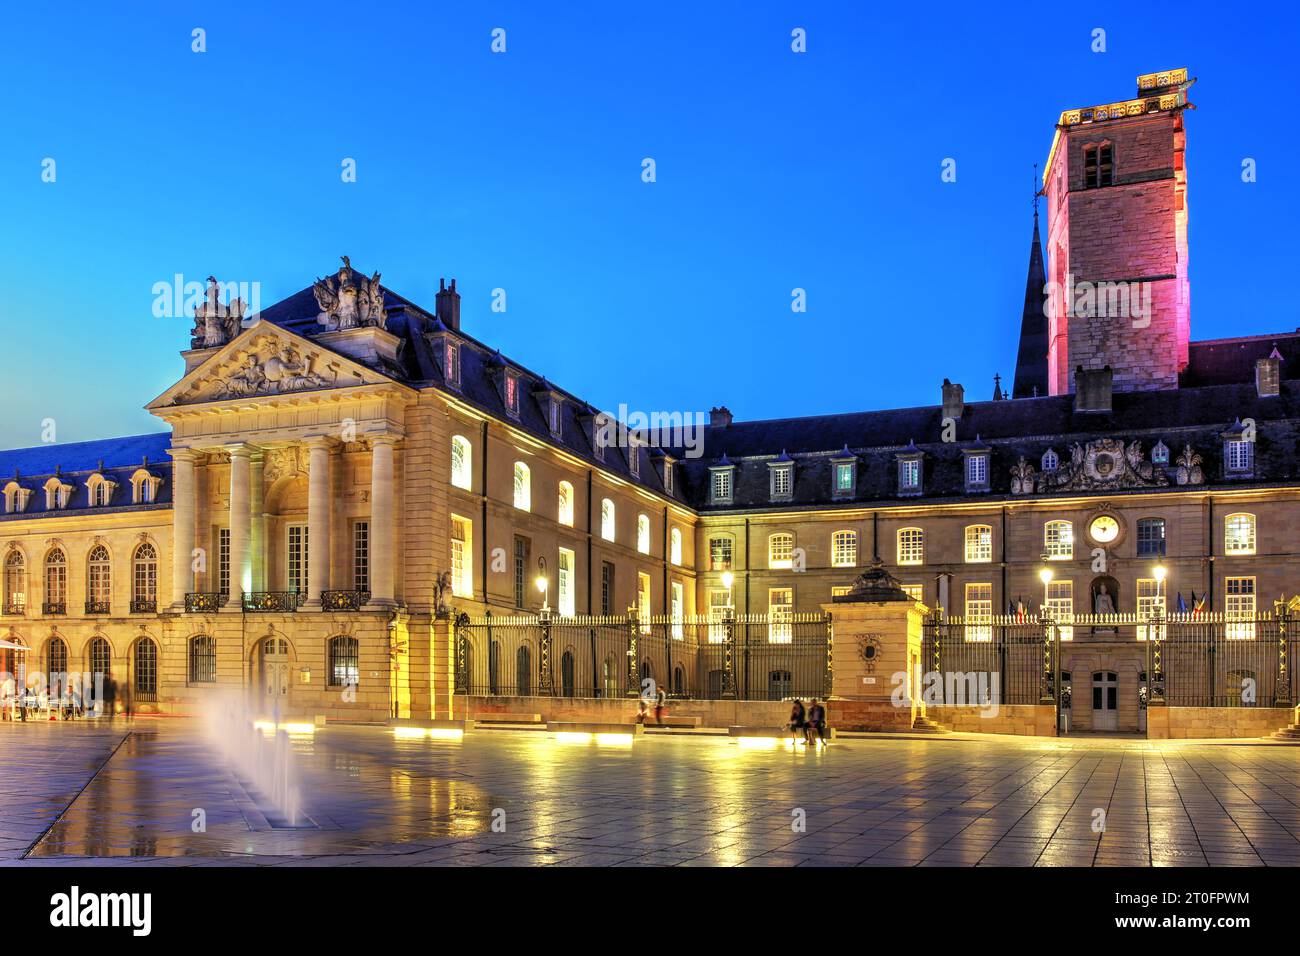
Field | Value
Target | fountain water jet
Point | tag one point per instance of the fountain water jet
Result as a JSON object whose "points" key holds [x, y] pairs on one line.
{"points": [[263, 763]]}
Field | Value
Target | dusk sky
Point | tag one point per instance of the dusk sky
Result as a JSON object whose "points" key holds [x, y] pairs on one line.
{"points": [[522, 171]]}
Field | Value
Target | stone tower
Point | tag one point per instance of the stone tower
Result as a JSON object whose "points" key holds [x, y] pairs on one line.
{"points": [[1116, 188]]}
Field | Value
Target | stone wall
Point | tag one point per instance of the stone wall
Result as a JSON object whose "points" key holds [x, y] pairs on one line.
{"points": [[1180, 723], [1026, 720]]}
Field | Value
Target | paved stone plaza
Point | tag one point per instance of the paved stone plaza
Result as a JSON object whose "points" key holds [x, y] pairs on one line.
{"points": [[72, 794]]}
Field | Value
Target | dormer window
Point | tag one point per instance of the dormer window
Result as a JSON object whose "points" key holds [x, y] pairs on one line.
{"points": [[781, 478], [512, 393], [1051, 461], [1160, 454], [844, 474], [668, 474], [909, 471], [1238, 456], [633, 457], [56, 494], [16, 497], [451, 363], [144, 487], [721, 482], [977, 466], [554, 418]]}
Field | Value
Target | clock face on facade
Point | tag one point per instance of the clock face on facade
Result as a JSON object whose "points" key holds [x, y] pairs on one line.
{"points": [[1104, 529]]}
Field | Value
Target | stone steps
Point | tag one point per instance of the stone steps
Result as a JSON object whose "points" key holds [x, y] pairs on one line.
{"points": [[1292, 732], [924, 725]]}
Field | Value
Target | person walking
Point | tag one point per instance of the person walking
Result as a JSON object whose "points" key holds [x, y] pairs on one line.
{"points": [[661, 699], [798, 720]]}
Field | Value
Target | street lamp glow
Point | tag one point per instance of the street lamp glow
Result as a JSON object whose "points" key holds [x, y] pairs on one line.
{"points": [[1160, 573], [541, 583], [727, 579], [1045, 575]]}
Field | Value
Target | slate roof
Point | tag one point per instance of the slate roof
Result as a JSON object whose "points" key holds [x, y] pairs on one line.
{"points": [[77, 461], [1220, 361]]}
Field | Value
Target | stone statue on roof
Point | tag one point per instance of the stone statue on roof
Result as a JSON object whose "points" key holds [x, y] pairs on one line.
{"points": [[216, 323], [348, 300]]}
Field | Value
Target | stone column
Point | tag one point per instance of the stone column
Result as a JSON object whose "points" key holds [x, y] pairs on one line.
{"points": [[182, 525], [381, 520], [258, 536], [318, 520], [240, 524]]}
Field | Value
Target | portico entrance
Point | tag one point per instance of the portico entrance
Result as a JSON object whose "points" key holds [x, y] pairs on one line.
{"points": [[274, 669]]}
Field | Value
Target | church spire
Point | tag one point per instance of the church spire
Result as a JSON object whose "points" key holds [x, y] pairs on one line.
{"points": [[1031, 361]]}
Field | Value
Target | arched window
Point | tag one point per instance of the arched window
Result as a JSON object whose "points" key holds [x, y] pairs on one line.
{"points": [[565, 507], [56, 660], [844, 549], [675, 546], [911, 546], [98, 576], [56, 582], [203, 659], [1051, 461], [1058, 540], [99, 491], [101, 657], [1239, 534], [145, 681], [979, 543], [15, 583], [643, 534], [462, 462], [567, 674], [647, 672], [523, 487], [144, 579], [780, 550], [344, 661], [607, 519], [523, 671]]}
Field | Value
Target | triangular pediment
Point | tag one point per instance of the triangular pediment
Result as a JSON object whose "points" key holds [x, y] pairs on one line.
{"points": [[266, 360]]}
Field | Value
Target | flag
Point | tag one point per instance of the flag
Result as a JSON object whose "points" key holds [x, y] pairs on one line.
{"points": [[1197, 603], [1182, 605], [1022, 614]]}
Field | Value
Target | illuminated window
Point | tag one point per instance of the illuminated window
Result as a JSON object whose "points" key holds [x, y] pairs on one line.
{"points": [[1239, 534], [643, 601], [1060, 605], [98, 580], [720, 609], [451, 363], [915, 591], [678, 609], [780, 613], [462, 557], [1240, 608], [564, 582], [607, 519], [720, 554], [203, 659], [909, 475], [566, 504], [344, 657], [643, 534], [144, 577], [56, 583], [1058, 540], [15, 583], [512, 394], [979, 612], [675, 546], [523, 487], [911, 546], [297, 554], [1150, 602], [462, 457], [979, 544], [1051, 461], [844, 549], [780, 551], [1238, 456]]}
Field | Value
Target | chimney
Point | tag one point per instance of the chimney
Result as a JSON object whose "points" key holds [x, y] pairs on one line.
{"points": [[1092, 389], [447, 305], [954, 400], [719, 417], [1268, 377]]}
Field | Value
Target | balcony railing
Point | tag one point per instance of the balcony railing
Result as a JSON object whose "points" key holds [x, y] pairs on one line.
{"points": [[272, 601], [50, 608], [343, 600], [144, 605], [204, 601], [97, 607], [15, 608]]}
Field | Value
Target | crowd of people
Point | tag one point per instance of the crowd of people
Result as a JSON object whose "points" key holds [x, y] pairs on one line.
{"points": [[65, 702]]}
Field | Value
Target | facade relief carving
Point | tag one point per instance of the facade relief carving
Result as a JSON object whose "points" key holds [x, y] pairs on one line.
{"points": [[216, 323], [1188, 469], [1106, 464], [348, 300]]}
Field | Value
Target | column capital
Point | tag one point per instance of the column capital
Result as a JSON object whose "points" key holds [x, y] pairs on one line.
{"points": [[328, 442], [241, 450], [383, 438], [183, 454]]}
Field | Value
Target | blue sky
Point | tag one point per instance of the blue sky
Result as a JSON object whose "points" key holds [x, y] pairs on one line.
{"points": [[522, 171]]}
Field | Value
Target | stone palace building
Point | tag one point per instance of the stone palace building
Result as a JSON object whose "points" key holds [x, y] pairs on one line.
{"points": [[340, 466]]}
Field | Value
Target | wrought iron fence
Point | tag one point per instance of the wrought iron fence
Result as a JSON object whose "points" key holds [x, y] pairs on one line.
{"points": [[747, 657], [1193, 659]]}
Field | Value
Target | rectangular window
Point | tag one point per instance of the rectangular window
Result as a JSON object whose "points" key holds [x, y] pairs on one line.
{"points": [[782, 480], [780, 551], [555, 417], [844, 549], [643, 601], [512, 394], [1151, 537], [909, 474], [451, 362], [977, 471], [668, 477], [462, 557], [1150, 601], [606, 588], [564, 583], [1240, 608], [223, 560], [634, 458], [1060, 605], [296, 558], [1058, 540], [720, 486], [1239, 456], [1098, 166], [361, 556], [678, 609], [1239, 534], [780, 611], [719, 611], [844, 478], [915, 591], [911, 546], [719, 554], [979, 544], [521, 571], [979, 612], [841, 589]]}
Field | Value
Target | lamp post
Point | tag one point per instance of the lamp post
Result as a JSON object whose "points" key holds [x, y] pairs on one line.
{"points": [[1051, 661], [545, 684], [1155, 634]]}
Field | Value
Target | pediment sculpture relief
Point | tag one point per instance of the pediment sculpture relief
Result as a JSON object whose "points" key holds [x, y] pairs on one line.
{"points": [[285, 462], [273, 369], [216, 323], [349, 300]]}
